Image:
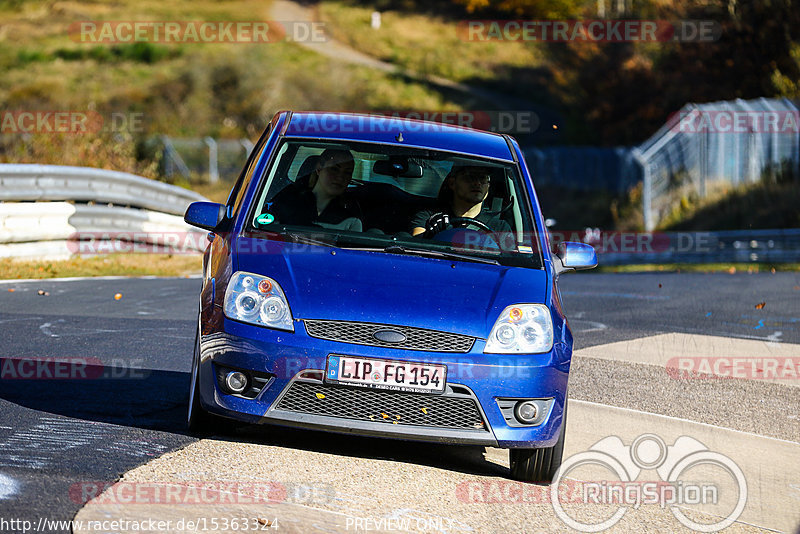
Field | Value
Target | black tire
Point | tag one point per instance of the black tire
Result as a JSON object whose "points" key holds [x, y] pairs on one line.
{"points": [[198, 420], [539, 465]]}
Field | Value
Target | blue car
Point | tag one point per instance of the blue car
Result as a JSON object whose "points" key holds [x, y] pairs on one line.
{"points": [[386, 277]]}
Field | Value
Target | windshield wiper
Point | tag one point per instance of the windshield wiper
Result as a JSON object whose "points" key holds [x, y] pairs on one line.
{"points": [[397, 249], [306, 240]]}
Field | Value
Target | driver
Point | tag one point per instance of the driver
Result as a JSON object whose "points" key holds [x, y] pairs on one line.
{"points": [[461, 195]]}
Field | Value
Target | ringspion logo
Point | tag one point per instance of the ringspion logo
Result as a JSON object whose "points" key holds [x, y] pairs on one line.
{"points": [[688, 474]]}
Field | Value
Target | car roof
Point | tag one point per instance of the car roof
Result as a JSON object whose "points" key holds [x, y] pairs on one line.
{"points": [[397, 131]]}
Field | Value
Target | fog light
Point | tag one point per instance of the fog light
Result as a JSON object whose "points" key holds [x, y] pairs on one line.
{"points": [[526, 412], [236, 381]]}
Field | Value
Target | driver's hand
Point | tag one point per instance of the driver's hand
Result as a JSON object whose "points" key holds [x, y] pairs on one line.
{"points": [[436, 223]]}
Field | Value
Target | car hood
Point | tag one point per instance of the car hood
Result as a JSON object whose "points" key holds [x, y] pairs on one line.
{"points": [[378, 287]]}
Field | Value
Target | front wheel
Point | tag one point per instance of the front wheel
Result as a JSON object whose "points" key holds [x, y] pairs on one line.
{"points": [[198, 419], [539, 465]]}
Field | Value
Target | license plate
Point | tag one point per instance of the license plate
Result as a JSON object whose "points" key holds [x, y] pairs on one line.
{"points": [[386, 374]]}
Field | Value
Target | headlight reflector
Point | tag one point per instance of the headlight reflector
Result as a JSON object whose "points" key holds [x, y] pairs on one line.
{"points": [[522, 328], [258, 300]]}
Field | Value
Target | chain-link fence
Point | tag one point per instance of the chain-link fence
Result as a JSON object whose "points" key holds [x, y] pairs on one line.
{"points": [[707, 147], [206, 158]]}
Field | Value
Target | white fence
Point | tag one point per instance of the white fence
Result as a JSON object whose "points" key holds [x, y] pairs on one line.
{"points": [[50, 211], [705, 146]]}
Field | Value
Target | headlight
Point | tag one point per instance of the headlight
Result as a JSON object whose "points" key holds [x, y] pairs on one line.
{"points": [[258, 300], [523, 328]]}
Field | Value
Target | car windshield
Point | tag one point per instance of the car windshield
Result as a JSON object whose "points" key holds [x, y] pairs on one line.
{"points": [[398, 200]]}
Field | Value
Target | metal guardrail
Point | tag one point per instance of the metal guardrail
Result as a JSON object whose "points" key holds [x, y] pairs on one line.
{"points": [[108, 211], [22, 222], [84, 184], [736, 246]]}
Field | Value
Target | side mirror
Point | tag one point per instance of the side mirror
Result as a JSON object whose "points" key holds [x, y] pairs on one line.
{"points": [[205, 215], [575, 256]]}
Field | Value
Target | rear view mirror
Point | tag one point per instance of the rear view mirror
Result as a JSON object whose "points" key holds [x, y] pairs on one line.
{"points": [[398, 166], [205, 215]]}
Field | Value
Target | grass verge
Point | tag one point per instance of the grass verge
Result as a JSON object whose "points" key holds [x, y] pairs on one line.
{"points": [[110, 265]]}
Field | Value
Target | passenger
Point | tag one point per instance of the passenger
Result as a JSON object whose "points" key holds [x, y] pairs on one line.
{"points": [[461, 195], [322, 201]]}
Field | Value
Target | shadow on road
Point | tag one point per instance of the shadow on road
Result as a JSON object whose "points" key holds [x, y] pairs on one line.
{"points": [[142, 398], [157, 400]]}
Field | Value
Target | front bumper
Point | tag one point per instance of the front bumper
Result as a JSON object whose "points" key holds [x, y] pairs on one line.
{"points": [[295, 358]]}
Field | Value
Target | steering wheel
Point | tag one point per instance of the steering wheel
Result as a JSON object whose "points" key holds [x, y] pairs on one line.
{"points": [[466, 222]]}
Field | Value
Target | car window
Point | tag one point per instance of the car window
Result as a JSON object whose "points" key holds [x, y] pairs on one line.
{"points": [[387, 192]]}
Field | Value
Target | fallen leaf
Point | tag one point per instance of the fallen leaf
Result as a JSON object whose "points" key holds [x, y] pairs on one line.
{"points": [[118, 296], [424, 410], [760, 305], [11, 290], [43, 293], [384, 415], [319, 395], [732, 270]]}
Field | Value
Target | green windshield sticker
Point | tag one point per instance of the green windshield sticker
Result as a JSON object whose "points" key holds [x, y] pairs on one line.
{"points": [[265, 218]]}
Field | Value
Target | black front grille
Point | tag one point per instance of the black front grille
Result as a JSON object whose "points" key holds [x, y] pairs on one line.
{"points": [[363, 334], [388, 407]]}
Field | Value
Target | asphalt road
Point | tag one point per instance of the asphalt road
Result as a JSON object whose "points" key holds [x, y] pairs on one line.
{"points": [[60, 436], [604, 308]]}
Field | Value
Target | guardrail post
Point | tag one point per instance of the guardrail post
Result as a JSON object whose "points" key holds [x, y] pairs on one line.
{"points": [[647, 190], [213, 169], [248, 146]]}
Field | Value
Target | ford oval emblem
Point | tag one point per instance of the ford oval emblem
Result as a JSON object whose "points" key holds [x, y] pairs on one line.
{"points": [[389, 336]]}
